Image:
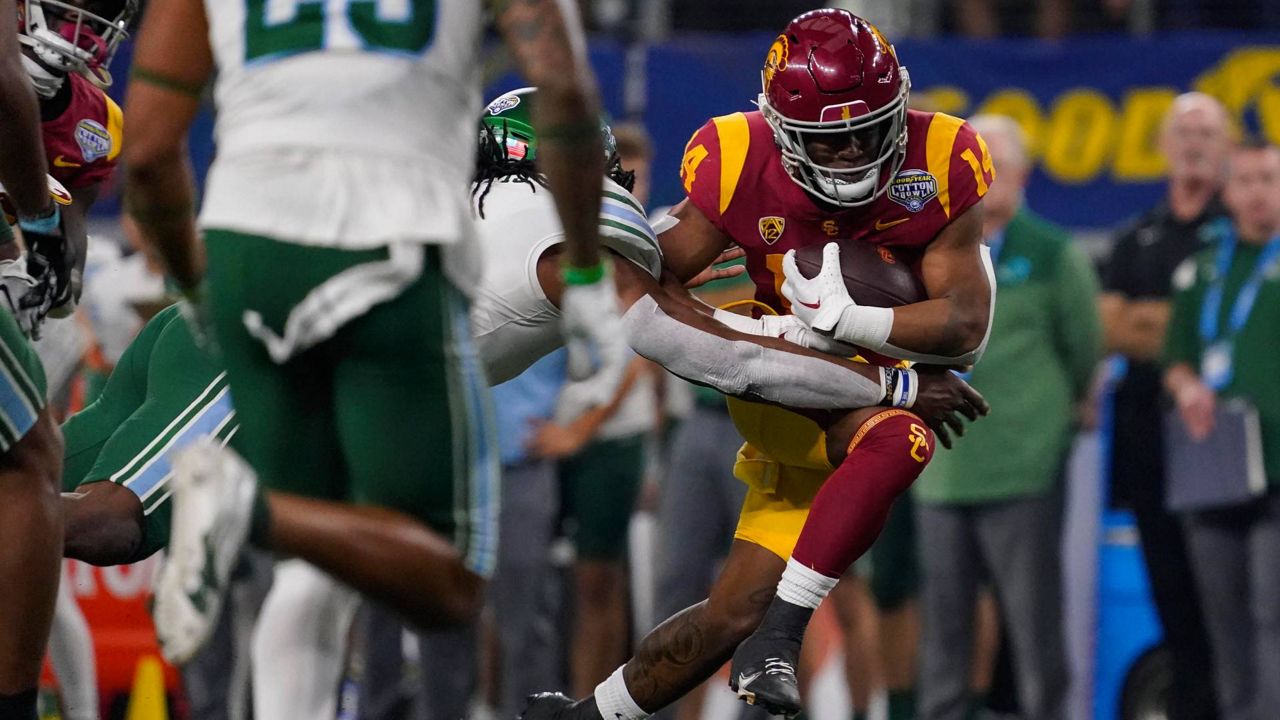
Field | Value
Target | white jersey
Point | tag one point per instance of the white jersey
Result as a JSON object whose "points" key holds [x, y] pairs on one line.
{"points": [[344, 123], [514, 322]]}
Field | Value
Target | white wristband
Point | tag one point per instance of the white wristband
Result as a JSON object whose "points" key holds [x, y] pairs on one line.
{"points": [[868, 327], [904, 393]]}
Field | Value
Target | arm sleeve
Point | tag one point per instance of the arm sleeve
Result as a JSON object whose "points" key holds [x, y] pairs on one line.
{"points": [[745, 369], [1182, 340], [86, 432], [1077, 326]]}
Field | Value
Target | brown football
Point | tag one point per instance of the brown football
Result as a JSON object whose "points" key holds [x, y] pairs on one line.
{"points": [[874, 275]]}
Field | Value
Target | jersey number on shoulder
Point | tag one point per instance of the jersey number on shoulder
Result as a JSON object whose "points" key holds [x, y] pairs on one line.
{"points": [[285, 27], [689, 166], [981, 171]]}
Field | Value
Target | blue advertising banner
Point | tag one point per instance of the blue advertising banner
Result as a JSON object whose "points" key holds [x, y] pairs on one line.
{"points": [[1091, 105]]}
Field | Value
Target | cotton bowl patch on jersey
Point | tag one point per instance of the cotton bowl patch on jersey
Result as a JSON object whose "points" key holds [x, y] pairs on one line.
{"points": [[913, 188], [93, 139]]}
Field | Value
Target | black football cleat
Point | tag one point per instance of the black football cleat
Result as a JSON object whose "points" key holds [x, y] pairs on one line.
{"points": [[763, 672]]}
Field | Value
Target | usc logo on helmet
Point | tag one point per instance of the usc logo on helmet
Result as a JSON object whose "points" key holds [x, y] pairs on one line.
{"points": [[776, 60]]}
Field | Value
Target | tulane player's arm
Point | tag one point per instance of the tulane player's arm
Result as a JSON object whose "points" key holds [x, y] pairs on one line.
{"points": [[670, 328], [548, 43], [22, 163], [171, 64]]}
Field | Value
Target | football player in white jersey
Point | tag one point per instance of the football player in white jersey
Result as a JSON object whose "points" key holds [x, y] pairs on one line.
{"points": [[339, 252]]}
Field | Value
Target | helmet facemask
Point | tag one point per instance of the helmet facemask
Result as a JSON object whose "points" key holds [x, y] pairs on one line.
{"points": [[65, 38], [884, 135]]}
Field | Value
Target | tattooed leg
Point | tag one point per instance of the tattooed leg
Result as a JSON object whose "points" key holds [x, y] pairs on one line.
{"points": [[692, 645]]}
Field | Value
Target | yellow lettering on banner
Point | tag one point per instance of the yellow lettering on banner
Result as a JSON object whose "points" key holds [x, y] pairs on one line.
{"points": [[1081, 135], [1245, 79], [1021, 106], [1137, 151], [947, 99]]}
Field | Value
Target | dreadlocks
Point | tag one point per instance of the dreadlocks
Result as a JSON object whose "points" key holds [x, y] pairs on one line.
{"points": [[493, 164]]}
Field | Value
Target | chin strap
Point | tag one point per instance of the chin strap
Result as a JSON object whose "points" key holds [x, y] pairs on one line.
{"points": [[46, 82]]}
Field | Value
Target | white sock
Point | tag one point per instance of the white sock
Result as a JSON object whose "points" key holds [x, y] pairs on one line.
{"points": [[71, 651], [299, 646], [804, 586], [614, 701]]}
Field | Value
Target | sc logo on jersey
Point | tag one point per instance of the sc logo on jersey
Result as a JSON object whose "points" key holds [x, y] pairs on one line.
{"points": [[913, 188], [771, 228]]}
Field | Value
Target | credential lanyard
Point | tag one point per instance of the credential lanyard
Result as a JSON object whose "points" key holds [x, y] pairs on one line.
{"points": [[1219, 351]]}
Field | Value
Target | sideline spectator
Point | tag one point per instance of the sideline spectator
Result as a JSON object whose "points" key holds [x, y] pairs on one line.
{"points": [[1231, 353], [992, 506], [601, 453], [1195, 139]]}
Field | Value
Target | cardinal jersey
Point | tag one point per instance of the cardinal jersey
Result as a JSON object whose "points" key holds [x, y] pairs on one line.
{"points": [[82, 143], [732, 172], [344, 123]]}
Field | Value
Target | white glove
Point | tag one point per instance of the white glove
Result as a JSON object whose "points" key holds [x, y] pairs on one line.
{"points": [[26, 298], [805, 336], [823, 303], [593, 335]]}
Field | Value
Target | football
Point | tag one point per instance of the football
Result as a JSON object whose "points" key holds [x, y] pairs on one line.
{"points": [[873, 274]]}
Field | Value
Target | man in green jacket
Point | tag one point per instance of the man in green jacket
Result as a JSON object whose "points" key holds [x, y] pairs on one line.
{"points": [[1231, 354], [992, 506]]}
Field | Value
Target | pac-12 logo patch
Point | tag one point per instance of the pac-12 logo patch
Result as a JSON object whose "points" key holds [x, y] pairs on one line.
{"points": [[93, 139], [503, 104], [913, 188], [771, 228]]}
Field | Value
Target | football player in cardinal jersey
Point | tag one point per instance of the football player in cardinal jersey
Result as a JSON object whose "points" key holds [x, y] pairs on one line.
{"points": [[66, 47], [833, 152], [166, 395]]}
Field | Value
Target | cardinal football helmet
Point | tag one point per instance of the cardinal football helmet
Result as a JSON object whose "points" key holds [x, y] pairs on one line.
{"points": [[832, 73], [65, 36]]}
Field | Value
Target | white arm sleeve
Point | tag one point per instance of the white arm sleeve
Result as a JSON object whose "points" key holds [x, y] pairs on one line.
{"points": [[744, 369]]}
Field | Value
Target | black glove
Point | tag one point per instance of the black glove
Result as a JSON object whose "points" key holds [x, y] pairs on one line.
{"points": [[50, 261]]}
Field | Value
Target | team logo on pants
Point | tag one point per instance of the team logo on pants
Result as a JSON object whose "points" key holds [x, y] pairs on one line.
{"points": [[919, 443]]}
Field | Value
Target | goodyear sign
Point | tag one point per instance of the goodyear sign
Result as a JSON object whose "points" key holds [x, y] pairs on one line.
{"points": [[1091, 106]]}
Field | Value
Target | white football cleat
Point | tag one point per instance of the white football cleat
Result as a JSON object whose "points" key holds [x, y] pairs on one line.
{"points": [[213, 491]]}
